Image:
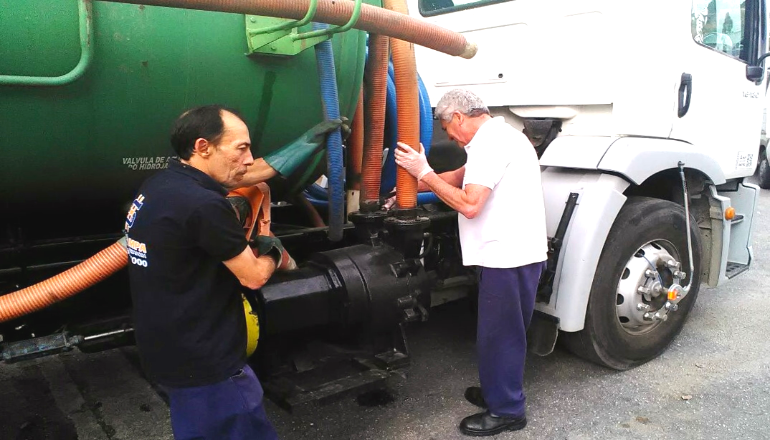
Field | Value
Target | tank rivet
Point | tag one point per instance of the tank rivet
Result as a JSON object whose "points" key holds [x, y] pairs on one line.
{"points": [[253, 19]]}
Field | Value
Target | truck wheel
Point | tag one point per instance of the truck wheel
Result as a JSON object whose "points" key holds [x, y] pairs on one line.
{"points": [[620, 328], [763, 171]]}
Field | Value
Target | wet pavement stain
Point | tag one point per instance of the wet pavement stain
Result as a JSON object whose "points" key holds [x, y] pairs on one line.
{"points": [[374, 398], [28, 410]]}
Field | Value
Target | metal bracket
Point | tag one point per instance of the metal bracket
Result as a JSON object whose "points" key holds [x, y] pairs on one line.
{"points": [[280, 36], [39, 347], [545, 288]]}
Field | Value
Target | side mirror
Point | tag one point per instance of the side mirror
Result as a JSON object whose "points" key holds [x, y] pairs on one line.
{"points": [[755, 72]]}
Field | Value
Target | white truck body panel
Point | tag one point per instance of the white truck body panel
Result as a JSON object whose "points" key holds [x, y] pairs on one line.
{"points": [[612, 73], [626, 59]]}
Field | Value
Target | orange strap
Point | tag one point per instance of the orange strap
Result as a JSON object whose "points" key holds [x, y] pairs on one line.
{"points": [[259, 200]]}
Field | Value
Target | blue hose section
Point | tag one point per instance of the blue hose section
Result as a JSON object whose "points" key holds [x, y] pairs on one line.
{"points": [[425, 198], [331, 103], [316, 191]]}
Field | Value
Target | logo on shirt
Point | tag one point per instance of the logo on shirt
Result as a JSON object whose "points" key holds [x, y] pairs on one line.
{"points": [[137, 252], [136, 205]]}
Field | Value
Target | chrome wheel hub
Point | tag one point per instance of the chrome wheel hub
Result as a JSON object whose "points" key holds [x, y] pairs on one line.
{"points": [[649, 287]]}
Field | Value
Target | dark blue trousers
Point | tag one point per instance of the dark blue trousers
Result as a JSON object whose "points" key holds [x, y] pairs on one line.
{"points": [[506, 304], [227, 410]]}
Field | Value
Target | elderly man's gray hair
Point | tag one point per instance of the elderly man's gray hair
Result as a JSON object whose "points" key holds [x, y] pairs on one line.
{"points": [[459, 100]]}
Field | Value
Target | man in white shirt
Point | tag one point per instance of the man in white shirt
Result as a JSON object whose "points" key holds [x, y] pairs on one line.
{"points": [[502, 232]]}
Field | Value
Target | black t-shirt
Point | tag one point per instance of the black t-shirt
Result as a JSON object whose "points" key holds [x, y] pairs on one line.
{"points": [[188, 314]]}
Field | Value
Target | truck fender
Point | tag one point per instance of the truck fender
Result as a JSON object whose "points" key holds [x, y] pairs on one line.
{"points": [[638, 158], [577, 152], [635, 158], [599, 201]]}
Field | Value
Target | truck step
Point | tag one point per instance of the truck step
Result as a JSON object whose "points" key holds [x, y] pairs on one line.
{"points": [[734, 269]]}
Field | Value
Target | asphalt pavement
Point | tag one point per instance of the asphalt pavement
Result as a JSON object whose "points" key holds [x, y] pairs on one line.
{"points": [[713, 382]]}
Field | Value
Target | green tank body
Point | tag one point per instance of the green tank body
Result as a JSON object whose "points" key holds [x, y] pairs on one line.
{"points": [[93, 141]]}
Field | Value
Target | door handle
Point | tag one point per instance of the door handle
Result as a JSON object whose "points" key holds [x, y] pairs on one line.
{"points": [[685, 94]]}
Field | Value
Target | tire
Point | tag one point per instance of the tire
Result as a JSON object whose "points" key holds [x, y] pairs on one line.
{"points": [[763, 171], [654, 227]]}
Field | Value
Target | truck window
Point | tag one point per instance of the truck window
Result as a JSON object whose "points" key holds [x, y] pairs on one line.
{"points": [[429, 8], [721, 26]]}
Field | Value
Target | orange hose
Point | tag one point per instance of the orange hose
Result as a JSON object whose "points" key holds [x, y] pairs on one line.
{"points": [[355, 158], [377, 73], [408, 107], [65, 284], [373, 19]]}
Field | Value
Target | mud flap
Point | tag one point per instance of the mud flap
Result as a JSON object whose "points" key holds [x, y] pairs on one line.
{"points": [[744, 200], [542, 333]]}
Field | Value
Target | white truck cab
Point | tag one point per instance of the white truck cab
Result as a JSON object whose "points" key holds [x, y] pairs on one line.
{"points": [[763, 166], [646, 117]]}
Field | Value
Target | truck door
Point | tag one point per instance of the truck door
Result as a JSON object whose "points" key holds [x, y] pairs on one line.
{"points": [[720, 110]]}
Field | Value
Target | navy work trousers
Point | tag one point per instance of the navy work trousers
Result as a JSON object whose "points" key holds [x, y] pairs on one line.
{"points": [[506, 304], [227, 410]]}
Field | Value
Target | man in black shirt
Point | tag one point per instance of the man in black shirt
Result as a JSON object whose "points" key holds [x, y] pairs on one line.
{"points": [[189, 258]]}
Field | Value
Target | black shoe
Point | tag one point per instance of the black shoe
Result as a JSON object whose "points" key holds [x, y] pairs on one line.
{"points": [[474, 396], [483, 424]]}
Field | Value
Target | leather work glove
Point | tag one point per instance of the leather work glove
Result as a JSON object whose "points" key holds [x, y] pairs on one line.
{"points": [[413, 162], [288, 158], [271, 246]]}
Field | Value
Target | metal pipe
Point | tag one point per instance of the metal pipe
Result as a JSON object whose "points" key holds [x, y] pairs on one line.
{"points": [[373, 19], [331, 31], [107, 334], [85, 17], [687, 222], [355, 156], [291, 24]]}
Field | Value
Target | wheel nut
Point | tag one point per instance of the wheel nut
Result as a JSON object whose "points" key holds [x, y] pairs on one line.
{"points": [[642, 307], [673, 264], [679, 274], [642, 290], [649, 273]]}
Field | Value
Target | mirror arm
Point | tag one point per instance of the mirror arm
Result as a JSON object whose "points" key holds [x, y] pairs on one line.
{"points": [[762, 58]]}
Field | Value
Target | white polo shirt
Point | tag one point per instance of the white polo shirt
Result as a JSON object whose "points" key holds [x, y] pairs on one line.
{"points": [[509, 231]]}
